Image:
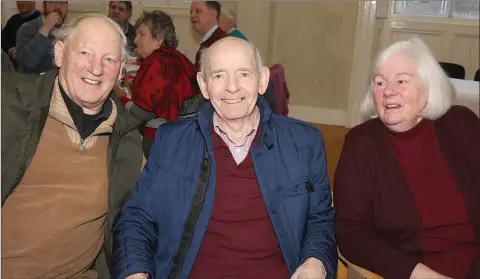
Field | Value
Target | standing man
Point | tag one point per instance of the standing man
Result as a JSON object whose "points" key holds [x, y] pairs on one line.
{"points": [[236, 192], [120, 12], [204, 16], [73, 156], [26, 13], [35, 38], [228, 23]]}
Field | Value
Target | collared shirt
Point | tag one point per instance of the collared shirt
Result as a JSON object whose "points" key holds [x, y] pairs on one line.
{"points": [[86, 124], [239, 151], [208, 34], [231, 30]]}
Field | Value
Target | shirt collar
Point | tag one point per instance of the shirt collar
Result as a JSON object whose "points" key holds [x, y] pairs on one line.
{"points": [[256, 122], [81, 120], [231, 30], [208, 34]]}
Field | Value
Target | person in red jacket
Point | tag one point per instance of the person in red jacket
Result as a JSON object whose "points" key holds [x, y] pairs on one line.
{"points": [[407, 185], [165, 79]]}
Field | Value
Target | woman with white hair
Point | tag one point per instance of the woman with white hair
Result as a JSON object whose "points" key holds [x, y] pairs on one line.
{"points": [[407, 186]]}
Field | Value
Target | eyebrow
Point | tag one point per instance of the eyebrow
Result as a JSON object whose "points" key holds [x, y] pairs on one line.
{"points": [[404, 73], [223, 70]]}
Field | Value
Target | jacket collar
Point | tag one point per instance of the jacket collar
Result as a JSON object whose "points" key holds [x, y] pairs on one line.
{"points": [[205, 121]]}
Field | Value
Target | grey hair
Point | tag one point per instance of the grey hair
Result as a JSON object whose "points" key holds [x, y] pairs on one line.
{"points": [[230, 14], [160, 24], [65, 32], [439, 88], [205, 55]]}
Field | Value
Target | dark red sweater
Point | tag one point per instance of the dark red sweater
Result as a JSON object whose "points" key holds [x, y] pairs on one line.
{"points": [[216, 35], [379, 224], [448, 240], [240, 241]]}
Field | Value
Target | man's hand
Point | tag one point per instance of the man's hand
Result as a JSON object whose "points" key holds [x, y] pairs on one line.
{"points": [[312, 268], [138, 276], [51, 21], [13, 52], [422, 271]]}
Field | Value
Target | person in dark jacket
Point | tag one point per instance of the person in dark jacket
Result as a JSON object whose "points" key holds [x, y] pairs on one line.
{"points": [[120, 12], [35, 38], [74, 155], [235, 192], [407, 186], [26, 13]]}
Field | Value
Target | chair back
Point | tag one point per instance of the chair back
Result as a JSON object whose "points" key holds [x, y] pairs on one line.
{"points": [[453, 70], [280, 89]]}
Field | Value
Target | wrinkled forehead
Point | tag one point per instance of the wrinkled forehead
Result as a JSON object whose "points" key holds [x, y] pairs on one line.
{"points": [[200, 5], [118, 4], [398, 63], [97, 35], [232, 59]]}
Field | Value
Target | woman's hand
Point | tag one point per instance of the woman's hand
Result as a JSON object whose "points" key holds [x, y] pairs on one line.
{"points": [[119, 92], [422, 271]]}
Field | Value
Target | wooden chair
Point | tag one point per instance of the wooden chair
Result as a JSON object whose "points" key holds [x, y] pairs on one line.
{"points": [[353, 271], [453, 70], [347, 270]]}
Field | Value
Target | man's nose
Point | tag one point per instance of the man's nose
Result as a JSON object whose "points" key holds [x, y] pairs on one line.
{"points": [[96, 67], [232, 85]]}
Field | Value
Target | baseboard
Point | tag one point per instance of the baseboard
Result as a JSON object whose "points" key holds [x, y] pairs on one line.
{"points": [[335, 117]]}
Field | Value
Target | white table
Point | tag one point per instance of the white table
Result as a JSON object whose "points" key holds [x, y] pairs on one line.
{"points": [[468, 94]]}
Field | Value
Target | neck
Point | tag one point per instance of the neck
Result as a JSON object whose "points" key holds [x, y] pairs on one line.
{"points": [[25, 14], [122, 23], [238, 130], [205, 31]]}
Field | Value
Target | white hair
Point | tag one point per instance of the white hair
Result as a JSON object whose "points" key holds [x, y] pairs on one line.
{"points": [[205, 56], [65, 32], [440, 91], [230, 14]]}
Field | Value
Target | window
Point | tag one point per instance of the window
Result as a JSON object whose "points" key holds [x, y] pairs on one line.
{"points": [[468, 9]]}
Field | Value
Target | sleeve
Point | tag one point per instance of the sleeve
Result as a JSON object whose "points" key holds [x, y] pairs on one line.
{"points": [[157, 90], [135, 231], [319, 240], [8, 36], [138, 112], [31, 46], [353, 193]]}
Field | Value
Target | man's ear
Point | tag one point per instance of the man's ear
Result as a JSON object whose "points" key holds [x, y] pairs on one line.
{"points": [[122, 67], [59, 50], [203, 85], [263, 80]]}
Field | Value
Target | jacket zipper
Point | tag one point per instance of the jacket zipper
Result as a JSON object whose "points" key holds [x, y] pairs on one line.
{"points": [[82, 141]]}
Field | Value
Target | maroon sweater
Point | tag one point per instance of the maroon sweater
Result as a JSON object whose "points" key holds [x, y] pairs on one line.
{"points": [[399, 198], [216, 35], [240, 241]]}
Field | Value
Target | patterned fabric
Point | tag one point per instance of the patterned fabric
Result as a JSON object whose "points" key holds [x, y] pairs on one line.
{"points": [[164, 80], [239, 151]]}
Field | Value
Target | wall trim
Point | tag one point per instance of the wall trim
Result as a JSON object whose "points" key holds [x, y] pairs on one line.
{"points": [[318, 115], [362, 60]]}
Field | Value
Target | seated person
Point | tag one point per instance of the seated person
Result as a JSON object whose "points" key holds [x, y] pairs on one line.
{"points": [[236, 192], [407, 186], [35, 38], [165, 79]]}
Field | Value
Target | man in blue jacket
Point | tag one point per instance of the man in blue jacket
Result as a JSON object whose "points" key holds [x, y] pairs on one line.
{"points": [[235, 192]]}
